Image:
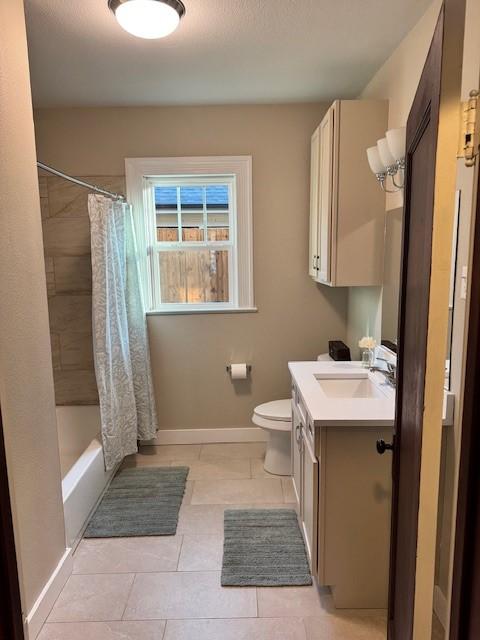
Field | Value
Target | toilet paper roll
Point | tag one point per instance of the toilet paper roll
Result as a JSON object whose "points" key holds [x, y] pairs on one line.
{"points": [[239, 371]]}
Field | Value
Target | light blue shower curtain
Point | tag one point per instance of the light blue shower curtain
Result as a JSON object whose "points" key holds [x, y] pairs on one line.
{"points": [[120, 339]]}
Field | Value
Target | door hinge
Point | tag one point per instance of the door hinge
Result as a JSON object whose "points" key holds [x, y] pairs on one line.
{"points": [[469, 134]]}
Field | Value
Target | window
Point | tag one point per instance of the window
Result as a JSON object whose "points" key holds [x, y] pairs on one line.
{"points": [[195, 240], [193, 217]]}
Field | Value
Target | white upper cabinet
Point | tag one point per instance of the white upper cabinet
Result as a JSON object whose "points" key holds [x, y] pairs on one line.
{"points": [[347, 205]]}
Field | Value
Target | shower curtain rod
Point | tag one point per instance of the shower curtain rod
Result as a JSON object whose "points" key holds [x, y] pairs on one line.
{"points": [[93, 187]]}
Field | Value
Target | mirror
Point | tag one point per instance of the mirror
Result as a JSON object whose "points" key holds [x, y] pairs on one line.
{"points": [[391, 281], [391, 277]]}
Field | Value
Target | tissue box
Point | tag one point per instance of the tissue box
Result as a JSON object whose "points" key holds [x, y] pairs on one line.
{"points": [[339, 351]]}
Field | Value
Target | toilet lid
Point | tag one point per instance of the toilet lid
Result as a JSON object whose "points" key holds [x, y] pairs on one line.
{"points": [[276, 410]]}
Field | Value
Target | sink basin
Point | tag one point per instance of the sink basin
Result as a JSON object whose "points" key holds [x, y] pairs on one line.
{"points": [[351, 387]]}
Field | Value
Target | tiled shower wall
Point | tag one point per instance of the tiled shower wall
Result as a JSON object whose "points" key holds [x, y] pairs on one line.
{"points": [[66, 237]]}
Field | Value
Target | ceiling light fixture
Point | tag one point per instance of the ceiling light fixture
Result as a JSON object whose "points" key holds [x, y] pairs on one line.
{"points": [[148, 18]]}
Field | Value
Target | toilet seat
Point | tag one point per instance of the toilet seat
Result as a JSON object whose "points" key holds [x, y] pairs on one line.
{"points": [[272, 425], [278, 410]]}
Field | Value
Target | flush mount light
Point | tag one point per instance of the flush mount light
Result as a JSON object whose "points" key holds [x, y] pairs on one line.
{"points": [[148, 18]]}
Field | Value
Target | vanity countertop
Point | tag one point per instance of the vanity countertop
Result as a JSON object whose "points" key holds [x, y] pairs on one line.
{"points": [[325, 410]]}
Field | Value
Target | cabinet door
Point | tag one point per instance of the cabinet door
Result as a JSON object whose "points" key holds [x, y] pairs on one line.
{"points": [[310, 502], [314, 202], [297, 452], [325, 197]]}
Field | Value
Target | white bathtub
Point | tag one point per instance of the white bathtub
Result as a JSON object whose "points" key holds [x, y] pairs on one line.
{"points": [[84, 478]]}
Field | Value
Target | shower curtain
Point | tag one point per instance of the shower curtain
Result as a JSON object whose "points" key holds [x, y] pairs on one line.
{"points": [[120, 340]]}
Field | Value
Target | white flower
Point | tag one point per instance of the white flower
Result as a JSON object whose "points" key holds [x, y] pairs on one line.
{"points": [[367, 343]]}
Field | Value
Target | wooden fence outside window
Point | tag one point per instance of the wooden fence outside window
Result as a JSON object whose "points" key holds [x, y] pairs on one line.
{"points": [[193, 275]]}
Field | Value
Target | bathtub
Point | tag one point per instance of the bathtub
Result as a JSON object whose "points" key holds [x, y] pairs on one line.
{"points": [[84, 478]]}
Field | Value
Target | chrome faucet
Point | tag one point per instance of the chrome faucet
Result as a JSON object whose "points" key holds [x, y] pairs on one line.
{"points": [[390, 372]]}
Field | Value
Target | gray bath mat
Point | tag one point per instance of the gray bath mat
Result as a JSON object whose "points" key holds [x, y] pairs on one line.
{"points": [[264, 548], [140, 502]]}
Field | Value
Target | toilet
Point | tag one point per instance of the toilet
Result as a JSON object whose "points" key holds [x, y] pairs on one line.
{"points": [[276, 418]]}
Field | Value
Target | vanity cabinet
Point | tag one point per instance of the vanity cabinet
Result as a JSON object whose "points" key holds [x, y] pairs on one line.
{"points": [[305, 482], [310, 499], [347, 205], [297, 455], [305, 467], [356, 516], [343, 489]]}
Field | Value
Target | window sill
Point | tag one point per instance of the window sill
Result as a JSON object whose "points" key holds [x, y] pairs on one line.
{"points": [[190, 312]]}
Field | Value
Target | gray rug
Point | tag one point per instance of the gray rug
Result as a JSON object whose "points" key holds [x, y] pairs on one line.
{"points": [[140, 502], [264, 548]]}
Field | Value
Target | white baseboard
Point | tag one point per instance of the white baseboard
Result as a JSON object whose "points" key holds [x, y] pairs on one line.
{"points": [[440, 606], [45, 601], [208, 436]]}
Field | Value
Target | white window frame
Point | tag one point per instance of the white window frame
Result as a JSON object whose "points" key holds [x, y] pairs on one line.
{"points": [[182, 245], [234, 170]]}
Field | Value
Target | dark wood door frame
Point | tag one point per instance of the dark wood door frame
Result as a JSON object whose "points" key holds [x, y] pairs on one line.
{"points": [[422, 135], [11, 626], [465, 606]]}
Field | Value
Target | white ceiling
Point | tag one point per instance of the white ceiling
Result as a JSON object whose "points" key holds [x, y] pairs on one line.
{"points": [[225, 51]]}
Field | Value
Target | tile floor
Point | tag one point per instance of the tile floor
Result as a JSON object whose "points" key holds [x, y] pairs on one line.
{"points": [[168, 588]]}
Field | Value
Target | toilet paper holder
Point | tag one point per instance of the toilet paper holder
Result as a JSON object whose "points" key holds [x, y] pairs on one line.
{"points": [[229, 368]]}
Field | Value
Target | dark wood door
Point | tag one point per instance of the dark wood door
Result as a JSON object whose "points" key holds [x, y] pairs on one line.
{"points": [[11, 627], [422, 131]]}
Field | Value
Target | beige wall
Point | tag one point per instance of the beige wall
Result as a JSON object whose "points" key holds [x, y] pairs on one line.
{"points": [[26, 382], [398, 78], [396, 81], [295, 317]]}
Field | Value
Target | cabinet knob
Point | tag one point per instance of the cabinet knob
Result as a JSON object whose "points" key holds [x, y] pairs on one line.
{"points": [[383, 446]]}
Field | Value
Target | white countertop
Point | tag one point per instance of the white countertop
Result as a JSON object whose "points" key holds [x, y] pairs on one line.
{"points": [[327, 411]]}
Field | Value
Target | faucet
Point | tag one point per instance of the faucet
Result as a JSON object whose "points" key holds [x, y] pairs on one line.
{"points": [[390, 372]]}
